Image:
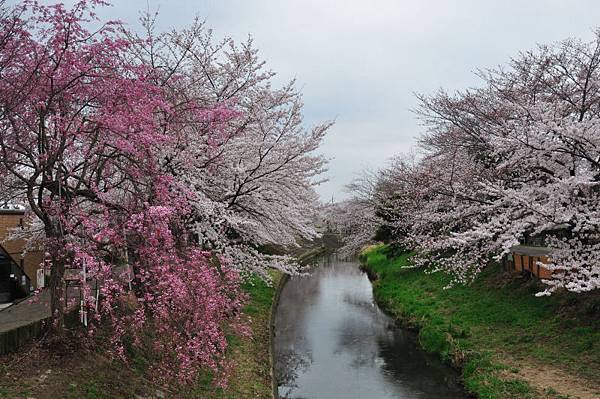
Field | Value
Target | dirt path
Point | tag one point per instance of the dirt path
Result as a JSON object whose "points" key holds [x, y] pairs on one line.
{"points": [[551, 379]]}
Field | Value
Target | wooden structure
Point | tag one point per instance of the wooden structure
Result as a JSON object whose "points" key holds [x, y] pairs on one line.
{"points": [[23, 321], [529, 260]]}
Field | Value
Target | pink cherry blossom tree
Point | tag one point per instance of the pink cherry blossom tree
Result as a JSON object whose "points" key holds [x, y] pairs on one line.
{"points": [[83, 137]]}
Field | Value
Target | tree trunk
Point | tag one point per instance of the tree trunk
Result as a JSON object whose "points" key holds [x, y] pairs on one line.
{"points": [[56, 285]]}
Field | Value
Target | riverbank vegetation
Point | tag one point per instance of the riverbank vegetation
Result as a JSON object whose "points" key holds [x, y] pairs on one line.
{"points": [[507, 173], [513, 161], [507, 342], [77, 372], [152, 167], [249, 355]]}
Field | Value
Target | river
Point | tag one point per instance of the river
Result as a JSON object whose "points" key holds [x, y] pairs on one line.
{"points": [[332, 341]]}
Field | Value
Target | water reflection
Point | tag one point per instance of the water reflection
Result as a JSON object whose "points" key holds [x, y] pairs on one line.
{"points": [[332, 342]]}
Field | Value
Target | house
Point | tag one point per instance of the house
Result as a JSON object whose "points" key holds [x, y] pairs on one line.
{"points": [[19, 274]]}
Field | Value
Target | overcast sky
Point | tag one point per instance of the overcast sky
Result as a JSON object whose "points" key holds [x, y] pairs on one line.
{"points": [[359, 62]]}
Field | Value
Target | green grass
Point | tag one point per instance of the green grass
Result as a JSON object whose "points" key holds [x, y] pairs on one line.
{"points": [[496, 317], [261, 295], [251, 375], [85, 375]]}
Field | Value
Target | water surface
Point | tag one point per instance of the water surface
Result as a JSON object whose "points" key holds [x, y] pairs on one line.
{"points": [[332, 341]]}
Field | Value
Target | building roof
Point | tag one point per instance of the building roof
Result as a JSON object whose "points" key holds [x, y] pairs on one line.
{"points": [[11, 209], [530, 250]]}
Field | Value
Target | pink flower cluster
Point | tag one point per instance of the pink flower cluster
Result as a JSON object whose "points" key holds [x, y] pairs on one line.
{"points": [[83, 133]]}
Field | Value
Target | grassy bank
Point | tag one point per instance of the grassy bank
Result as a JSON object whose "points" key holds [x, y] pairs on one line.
{"points": [[507, 342], [79, 373], [251, 376]]}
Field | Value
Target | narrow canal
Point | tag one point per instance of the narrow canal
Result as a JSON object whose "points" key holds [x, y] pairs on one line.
{"points": [[332, 341]]}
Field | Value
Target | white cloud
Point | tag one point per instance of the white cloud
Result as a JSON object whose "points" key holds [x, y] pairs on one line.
{"points": [[361, 61]]}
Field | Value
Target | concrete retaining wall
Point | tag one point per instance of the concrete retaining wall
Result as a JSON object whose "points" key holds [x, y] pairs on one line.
{"points": [[11, 341]]}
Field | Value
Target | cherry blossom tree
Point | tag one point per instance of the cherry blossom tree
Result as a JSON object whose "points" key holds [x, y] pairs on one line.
{"points": [[83, 132], [526, 148], [356, 219], [257, 186], [514, 159], [382, 206]]}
